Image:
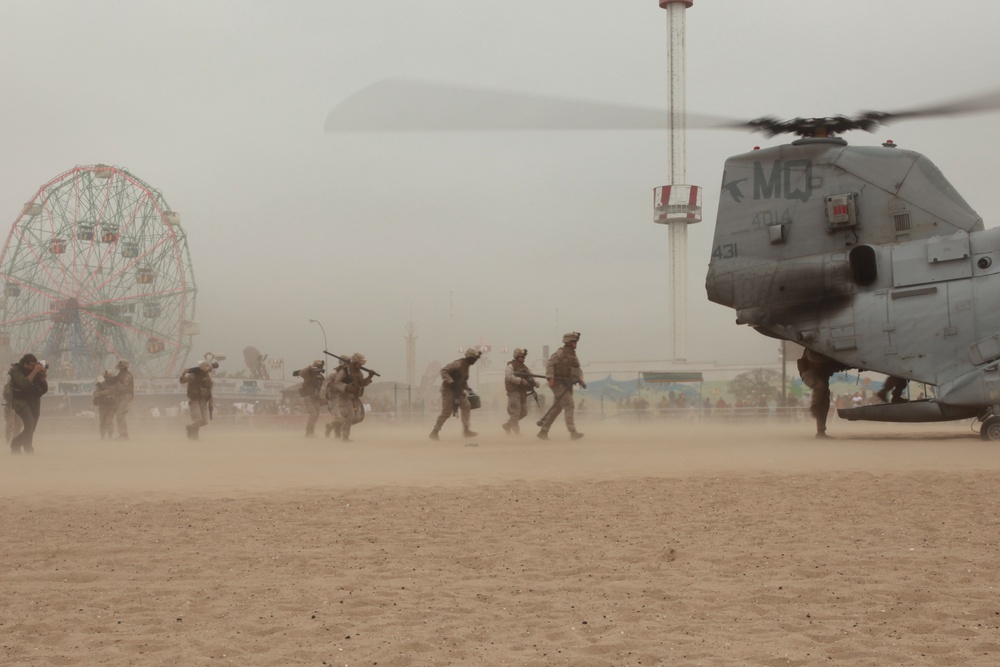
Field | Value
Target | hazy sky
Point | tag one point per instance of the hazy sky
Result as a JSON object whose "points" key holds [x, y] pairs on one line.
{"points": [[517, 237]]}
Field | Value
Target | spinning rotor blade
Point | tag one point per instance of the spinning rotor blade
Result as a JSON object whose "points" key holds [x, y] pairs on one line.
{"points": [[401, 105], [983, 102]]}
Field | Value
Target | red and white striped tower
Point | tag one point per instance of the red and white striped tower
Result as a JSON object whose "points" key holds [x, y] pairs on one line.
{"points": [[676, 205]]}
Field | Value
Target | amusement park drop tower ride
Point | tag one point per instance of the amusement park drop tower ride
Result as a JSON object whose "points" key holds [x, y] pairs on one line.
{"points": [[676, 205]]}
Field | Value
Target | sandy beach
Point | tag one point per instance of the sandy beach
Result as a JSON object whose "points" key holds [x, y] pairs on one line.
{"points": [[666, 543]]}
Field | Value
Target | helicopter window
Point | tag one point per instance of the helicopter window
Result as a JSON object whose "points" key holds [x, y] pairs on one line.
{"points": [[864, 265]]}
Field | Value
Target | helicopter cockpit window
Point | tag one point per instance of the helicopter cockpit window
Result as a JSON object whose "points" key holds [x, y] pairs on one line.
{"points": [[864, 265]]}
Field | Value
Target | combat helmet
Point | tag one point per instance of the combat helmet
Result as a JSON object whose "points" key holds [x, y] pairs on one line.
{"points": [[571, 337]]}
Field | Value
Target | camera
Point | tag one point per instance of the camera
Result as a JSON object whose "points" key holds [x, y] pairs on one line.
{"points": [[215, 364], [44, 364]]}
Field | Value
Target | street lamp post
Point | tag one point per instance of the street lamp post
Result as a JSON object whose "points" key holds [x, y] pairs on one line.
{"points": [[325, 346]]}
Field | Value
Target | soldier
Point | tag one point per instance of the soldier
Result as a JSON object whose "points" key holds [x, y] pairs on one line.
{"points": [[330, 396], [895, 385], [310, 391], [27, 386], [816, 370], [12, 423], [199, 393], [106, 399], [348, 385], [519, 384], [454, 384], [563, 371], [124, 386]]}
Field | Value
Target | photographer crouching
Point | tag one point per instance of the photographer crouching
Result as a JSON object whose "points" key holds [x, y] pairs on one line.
{"points": [[27, 385]]}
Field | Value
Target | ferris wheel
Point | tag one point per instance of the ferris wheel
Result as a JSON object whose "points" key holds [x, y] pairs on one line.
{"points": [[95, 269]]}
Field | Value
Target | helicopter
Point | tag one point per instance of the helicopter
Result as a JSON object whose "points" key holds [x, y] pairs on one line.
{"points": [[866, 255]]}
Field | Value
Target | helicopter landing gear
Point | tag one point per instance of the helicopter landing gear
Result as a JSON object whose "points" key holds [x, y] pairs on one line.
{"points": [[990, 429]]}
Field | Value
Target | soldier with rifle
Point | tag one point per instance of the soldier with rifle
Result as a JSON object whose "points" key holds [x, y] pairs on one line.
{"points": [[348, 385], [454, 397], [519, 384], [562, 372], [328, 394], [312, 377], [199, 393]]}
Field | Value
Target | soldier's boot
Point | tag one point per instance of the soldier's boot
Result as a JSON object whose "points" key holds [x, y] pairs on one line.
{"points": [[515, 428], [883, 395], [328, 428], [468, 432], [543, 435], [345, 433], [337, 428], [437, 426], [193, 431], [506, 427], [190, 431], [575, 435]]}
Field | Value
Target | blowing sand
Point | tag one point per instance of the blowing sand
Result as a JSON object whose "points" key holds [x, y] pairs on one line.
{"points": [[662, 544]]}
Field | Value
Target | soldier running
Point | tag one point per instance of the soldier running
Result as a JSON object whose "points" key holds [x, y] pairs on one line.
{"points": [[454, 385], [563, 371], [816, 370], [518, 383], [348, 385], [312, 384], [199, 393]]}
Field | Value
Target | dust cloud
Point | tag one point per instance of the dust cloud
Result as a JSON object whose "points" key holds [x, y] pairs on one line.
{"points": [[233, 457]]}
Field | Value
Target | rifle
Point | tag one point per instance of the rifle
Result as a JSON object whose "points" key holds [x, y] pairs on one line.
{"points": [[531, 389], [566, 382], [347, 361]]}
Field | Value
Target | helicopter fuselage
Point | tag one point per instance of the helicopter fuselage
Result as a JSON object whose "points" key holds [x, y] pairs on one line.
{"points": [[869, 256]]}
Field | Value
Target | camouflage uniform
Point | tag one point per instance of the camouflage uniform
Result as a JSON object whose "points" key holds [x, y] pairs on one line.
{"points": [[27, 388], [563, 371], [105, 398], [816, 370], [199, 393], [312, 384], [348, 385], [124, 393], [454, 384], [12, 423], [518, 384]]}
